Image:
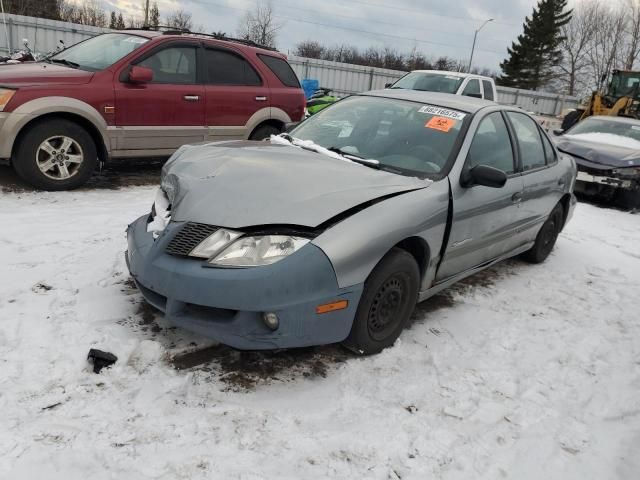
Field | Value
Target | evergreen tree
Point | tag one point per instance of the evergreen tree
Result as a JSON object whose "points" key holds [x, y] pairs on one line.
{"points": [[113, 22], [120, 23], [154, 15], [536, 53]]}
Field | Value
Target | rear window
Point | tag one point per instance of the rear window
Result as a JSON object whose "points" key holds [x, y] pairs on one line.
{"points": [[226, 68], [488, 90], [281, 69]]}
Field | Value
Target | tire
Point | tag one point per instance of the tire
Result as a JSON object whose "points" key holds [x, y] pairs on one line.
{"points": [[570, 119], [546, 238], [390, 295], [627, 199], [264, 131], [41, 147]]}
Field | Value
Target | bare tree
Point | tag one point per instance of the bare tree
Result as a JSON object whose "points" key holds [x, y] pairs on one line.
{"points": [[88, 12], [578, 39], [632, 44], [180, 19], [310, 49], [260, 25], [606, 48]]}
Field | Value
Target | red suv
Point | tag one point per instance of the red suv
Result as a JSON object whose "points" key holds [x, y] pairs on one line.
{"points": [[138, 94]]}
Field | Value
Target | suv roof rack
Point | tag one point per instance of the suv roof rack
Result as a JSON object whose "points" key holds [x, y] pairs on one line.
{"points": [[168, 30]]}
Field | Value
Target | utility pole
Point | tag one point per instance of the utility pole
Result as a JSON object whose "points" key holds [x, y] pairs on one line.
{"points": [[473, 48], [146, 14]]}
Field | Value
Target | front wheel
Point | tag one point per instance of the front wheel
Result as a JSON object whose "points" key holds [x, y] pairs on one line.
{"points": [[55, 155], [547, 237], [390, 295], [264, 131]]}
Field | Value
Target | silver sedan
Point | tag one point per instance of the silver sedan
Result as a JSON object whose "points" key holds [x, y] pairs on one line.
{"points": [[334, 231]]}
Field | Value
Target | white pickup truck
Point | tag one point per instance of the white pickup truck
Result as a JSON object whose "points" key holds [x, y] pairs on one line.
{"points": [[448, 82]]}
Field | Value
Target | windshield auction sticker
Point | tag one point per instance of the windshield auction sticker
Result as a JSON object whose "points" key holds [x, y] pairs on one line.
{"points": [[442, 112], [442, 124]]}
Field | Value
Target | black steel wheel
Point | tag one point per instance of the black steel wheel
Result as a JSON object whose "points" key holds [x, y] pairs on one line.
{"points": [[547, 237], [389, 296]]}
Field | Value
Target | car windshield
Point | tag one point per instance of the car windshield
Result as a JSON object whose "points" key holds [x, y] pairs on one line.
{"points": [[605, 126], [99, 52], [429, 82], [405, 137]]}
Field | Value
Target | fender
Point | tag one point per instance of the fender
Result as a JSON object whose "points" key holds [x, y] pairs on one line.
{"points": [[28, 111], [264, 115]]}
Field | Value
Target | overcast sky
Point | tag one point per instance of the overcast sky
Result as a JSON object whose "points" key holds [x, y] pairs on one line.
{"points": [[436, 27]]}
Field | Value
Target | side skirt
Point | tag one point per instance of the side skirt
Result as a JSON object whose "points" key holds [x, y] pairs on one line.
{"points": [[437, 288]]}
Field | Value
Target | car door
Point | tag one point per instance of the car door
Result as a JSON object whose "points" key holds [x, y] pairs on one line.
{"points": [[235, 91], [543, 187], [159, 116], [484, 219]]}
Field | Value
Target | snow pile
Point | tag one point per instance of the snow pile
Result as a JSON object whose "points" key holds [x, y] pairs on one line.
{"points": [[607, 139], [523, 372]]}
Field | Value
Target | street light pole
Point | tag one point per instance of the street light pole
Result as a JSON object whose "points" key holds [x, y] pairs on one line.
{"points": [[475, 37], [146, 14]]}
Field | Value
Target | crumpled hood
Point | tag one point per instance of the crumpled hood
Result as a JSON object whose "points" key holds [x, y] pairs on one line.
{"points": [[600, 153], [41, 73], [242, 184]]}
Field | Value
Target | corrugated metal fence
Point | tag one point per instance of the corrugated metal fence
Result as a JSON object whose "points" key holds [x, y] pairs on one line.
{"points": [[343, 78], [44, 35]]}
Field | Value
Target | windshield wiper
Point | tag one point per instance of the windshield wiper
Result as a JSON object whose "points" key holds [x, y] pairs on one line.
{"points": [[369, 162], [64, 61]]}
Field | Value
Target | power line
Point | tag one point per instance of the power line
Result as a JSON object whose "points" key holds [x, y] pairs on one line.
{"points": [[412, 10], [352, 29]]}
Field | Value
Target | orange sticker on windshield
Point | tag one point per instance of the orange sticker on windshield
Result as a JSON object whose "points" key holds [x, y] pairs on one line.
{"points": [[441, 123]]}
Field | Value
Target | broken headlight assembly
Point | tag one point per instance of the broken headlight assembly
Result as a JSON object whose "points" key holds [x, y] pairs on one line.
{"points": [[227, 248]]}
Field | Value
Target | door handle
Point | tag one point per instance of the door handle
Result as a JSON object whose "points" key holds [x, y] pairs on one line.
{"points": [[191, 98], [561, 181], [261, 99], [516, 197]]}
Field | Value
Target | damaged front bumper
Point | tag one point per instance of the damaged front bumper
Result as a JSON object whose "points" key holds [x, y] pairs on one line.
{"points": [[626, 178], [228, 304]]}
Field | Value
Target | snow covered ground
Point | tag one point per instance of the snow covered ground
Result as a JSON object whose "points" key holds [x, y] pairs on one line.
{"points": [[523, 372]]}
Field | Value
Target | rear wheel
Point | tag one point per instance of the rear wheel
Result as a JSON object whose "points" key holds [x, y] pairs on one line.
{"points": [[55, 155], [264, 131], [547, 237], [390, 295]]}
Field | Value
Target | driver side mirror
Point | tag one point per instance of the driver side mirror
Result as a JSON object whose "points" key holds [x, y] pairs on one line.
{"points": [[387, 85], [140, 74], [483, 175], [558, 131]]}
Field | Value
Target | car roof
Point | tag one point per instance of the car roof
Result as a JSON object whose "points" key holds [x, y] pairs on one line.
{"points": [[447, 100], [453, 74]]}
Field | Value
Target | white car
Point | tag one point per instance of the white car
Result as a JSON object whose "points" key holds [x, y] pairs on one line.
{"points": [[441, 81]]}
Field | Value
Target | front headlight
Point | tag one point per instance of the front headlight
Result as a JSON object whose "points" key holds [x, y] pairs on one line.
{"points": [[258, 250], [6, 95]]}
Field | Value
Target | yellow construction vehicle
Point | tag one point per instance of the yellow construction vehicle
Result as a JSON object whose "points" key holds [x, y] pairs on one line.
{"points": [[621, 100]]}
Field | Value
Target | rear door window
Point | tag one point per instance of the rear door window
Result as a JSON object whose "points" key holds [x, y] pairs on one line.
{"points": [[491, 145], [227, 68], [488, 90], [532, 151], [281, 69], [472, 89]]}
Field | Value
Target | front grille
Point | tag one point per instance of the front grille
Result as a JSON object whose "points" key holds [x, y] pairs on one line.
{"points": [[188, 238]]}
